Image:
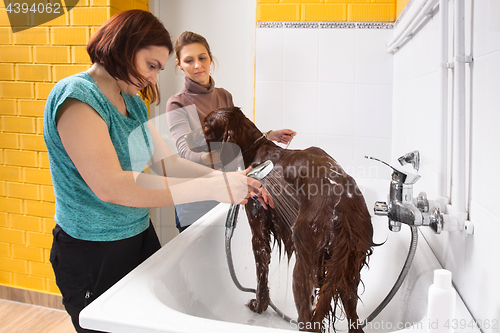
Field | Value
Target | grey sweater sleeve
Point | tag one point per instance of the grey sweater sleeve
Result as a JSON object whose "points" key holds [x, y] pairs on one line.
{"points": [[181, 121]]}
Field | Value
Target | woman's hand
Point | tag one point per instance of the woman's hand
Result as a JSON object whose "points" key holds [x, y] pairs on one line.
{"points": [[261, 194], [282, 136], [234, 187], [264, 198], [238, 193]]}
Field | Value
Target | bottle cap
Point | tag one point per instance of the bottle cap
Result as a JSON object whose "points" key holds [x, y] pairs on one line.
{"points": [[442, 278]]}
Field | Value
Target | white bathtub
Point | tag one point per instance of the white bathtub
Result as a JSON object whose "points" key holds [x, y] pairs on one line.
{"points": [[186, 286]]}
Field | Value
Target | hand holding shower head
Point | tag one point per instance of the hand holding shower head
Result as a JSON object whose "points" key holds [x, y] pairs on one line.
{"points": [[259, 172]]}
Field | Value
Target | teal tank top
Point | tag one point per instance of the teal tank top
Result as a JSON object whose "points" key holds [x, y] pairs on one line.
{"points": [[79, 212]]}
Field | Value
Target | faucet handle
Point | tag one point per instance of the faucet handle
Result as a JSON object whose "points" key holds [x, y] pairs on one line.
{"points": [[397, 175], [422, 203], [380, 208], [436, 221]]}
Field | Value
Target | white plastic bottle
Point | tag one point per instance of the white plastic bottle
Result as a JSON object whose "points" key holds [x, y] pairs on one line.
{"points": [[441, 303]]}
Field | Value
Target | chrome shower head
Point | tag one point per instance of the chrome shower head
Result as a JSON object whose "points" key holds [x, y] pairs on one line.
{"points": [[261, 171]]}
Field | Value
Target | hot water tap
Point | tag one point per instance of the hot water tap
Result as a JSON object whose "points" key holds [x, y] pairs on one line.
{"points": [[402, 207]]}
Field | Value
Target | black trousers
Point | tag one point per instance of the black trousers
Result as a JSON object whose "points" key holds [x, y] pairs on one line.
{"points": [[86, 269]]}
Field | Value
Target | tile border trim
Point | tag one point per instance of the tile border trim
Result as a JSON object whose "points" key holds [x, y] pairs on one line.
{"points": [[326, 25]]}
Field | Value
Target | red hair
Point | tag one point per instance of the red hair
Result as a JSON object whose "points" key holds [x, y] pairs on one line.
{"points": [[116, 42]]}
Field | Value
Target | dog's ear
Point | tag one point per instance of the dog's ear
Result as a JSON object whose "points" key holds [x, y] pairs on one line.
{"points": [[231, 119], [228, 132]]}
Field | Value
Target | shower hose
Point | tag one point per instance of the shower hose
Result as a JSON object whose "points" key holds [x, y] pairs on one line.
{"points": [[231, 219]]}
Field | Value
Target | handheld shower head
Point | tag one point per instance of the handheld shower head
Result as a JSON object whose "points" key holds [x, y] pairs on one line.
{"points": [[259, 173], [261, 170]]}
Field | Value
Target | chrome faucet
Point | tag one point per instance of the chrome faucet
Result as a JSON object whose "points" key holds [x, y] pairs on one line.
{"points": [[402, 208]]}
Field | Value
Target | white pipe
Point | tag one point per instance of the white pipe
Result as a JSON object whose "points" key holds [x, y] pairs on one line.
{"points": [[443, 71], [412, 23], [458, 181]]}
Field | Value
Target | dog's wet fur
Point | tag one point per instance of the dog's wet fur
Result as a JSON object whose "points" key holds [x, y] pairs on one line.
{"points": [[331, 237]]}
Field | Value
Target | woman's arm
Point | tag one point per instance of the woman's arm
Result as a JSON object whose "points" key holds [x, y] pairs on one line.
{"points": [[179, 125], [85, 137], [180, 120], [165, 162], [282, 136]]}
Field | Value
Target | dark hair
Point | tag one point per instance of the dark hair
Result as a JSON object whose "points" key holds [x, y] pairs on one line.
{"points": [[117, 41], [187, 38]]}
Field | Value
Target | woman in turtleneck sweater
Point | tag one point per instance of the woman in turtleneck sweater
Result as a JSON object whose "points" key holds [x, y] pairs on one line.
{"points": [[187, 109]]}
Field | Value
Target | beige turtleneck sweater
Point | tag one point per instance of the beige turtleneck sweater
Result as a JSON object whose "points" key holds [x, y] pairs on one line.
{"points": [[187, 109]]}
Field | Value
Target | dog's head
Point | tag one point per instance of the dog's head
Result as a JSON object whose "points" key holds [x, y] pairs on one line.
{"points": [[228, 125], [227, 129]]}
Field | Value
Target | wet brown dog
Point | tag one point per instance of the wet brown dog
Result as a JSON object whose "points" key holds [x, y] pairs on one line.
{"points": [[331, 234]]}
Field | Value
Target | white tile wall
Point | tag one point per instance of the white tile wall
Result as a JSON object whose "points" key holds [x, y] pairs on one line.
{"points": [[486, 122], [269, 48], [373, 110], [373, 63], [336, 109], [373, 147], [412, 63], [417, 124], [342, 92], [300, 106], [341, 148], [270, 105], [337, 55], [418, 116], [336, 91], [487, 27], [300, 55], [480, 286]]}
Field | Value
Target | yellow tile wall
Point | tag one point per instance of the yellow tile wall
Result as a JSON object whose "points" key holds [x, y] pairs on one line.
{"points": [[401, 6], [31, 62], [328, 10]]}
